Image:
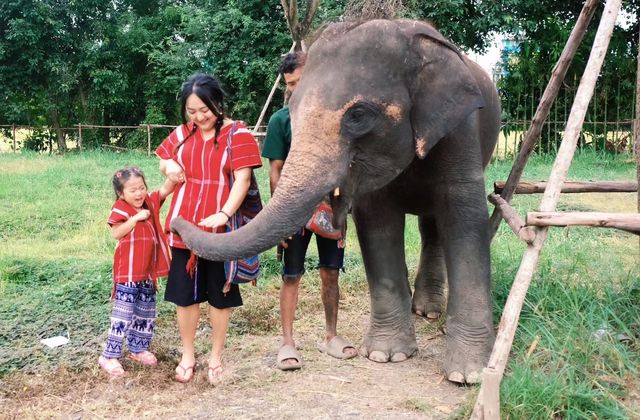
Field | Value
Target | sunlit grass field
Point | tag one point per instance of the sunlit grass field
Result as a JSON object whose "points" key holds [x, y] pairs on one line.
{"points": [[582, 309]]}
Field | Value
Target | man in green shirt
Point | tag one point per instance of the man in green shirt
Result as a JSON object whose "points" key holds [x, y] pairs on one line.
{"points": [[276, 148]]}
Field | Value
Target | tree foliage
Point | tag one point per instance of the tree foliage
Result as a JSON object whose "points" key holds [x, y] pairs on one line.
{"points": [[64, 62]]}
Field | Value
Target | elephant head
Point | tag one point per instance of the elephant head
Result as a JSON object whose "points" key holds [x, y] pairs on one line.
{"points": [[372, 98]]}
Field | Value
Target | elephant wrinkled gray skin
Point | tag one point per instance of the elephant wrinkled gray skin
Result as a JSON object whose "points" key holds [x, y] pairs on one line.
{"points": [[394, 115]]}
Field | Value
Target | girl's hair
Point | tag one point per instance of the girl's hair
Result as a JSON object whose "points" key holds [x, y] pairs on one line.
{"points": [[123, 175], [208, 89]]}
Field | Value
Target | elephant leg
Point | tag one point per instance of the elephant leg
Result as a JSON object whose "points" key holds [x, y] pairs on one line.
{"points": [[469, 325], [429, 292], [380, 227]]}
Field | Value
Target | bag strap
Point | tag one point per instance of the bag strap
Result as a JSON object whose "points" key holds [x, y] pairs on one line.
{"points": [[229, 137]]}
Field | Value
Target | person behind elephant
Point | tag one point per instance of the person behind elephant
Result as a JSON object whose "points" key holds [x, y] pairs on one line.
{"points": [[141, 257], [276, 148], [195, 156]]}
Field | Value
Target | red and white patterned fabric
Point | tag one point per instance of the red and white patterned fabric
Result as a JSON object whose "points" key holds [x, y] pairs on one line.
{"points": [[207, 170], [142, 253]]}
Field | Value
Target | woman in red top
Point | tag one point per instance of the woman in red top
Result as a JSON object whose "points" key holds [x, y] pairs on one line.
{"points": [[195, 156], [141, 257]]}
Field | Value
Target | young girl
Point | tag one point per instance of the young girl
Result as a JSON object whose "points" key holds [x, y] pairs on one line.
{"points": [[141, 257]]}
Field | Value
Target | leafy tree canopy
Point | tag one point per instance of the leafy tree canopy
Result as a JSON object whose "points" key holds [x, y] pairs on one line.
{"points": [[64, 62]]}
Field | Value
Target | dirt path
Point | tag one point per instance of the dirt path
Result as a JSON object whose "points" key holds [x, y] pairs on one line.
{"points": [[324, 388]]}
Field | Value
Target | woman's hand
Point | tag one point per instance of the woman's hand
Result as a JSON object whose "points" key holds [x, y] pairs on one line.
{"points": [[214, 221], [172, 170]]}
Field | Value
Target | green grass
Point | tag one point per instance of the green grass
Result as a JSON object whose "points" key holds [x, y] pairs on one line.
{"points": [[55, 278]]}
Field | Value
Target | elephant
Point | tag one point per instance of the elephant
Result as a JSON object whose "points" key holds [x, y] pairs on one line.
{"points": [[396, 117]]}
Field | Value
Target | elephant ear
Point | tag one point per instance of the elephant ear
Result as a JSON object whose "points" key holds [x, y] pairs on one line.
{"points": [[443, 90]]}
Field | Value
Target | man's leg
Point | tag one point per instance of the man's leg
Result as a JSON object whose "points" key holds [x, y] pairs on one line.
{"points": [[293, 270], [288, 304], [331, 261]]}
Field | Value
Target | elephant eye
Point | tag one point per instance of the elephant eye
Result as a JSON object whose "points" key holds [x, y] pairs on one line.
{"points": [[361, 118]]}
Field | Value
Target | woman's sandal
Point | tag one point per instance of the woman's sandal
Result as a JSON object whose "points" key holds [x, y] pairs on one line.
{"points": [[112, 367], [145, 357], [214, 375], [187, 373]]}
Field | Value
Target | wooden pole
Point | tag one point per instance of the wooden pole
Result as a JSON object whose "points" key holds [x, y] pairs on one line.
{"points": [[542, 112], [513, 219], [266, 104], [636, 126], [513, 306], [79, 136], [623, 221], [571, 187], [13, 128], [148, 140]]}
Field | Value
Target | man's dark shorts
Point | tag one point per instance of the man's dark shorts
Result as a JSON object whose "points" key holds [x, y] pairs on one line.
{"points": [[331, 256]]}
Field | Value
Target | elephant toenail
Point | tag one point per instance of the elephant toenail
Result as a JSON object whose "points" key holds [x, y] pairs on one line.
{"points": [[433, 316], [474, 378], [378, 356], [398, 357], [456, 377]]}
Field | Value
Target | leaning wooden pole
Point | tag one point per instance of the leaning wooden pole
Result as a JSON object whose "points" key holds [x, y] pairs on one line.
{"points": [[548, 97], [636, 126], [511, 312], [270, 97]]}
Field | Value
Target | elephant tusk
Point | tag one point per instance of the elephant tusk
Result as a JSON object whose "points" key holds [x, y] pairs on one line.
{"points": [[336, 192]]}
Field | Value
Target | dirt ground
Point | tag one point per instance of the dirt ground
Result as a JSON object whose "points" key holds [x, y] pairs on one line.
{"points": [[253, 388]]}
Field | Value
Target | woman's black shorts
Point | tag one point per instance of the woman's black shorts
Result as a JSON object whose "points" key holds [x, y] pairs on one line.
{"points": [[210, 279]]}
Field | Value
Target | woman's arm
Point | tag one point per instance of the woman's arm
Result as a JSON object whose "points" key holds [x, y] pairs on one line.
{"points": [[241, 182]]}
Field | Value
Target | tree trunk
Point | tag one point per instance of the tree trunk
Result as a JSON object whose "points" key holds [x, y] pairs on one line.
{"points": [[55, 119]]}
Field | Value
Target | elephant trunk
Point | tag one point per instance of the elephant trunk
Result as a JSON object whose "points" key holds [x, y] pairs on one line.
{"points": [[305, 179]]}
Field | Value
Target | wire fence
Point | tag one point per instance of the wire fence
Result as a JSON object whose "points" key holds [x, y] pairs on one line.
{"points": [[606, 136], [143, 137]]}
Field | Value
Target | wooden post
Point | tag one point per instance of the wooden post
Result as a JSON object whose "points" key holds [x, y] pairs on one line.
{"points": [[13, 128], [79, 136], [627, 222], [542, 112], [512, 218], [148, 140], [511, 312], [636, 126], [571, 187], [266, 104]]}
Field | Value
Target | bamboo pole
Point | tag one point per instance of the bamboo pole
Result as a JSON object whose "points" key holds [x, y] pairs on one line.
{"points": [[148, 140], [624, 221], [515, 222], [79, 136], [268, 101], [513, 306], [636, 126], [571, 187], [14, 138], [542, 112]]}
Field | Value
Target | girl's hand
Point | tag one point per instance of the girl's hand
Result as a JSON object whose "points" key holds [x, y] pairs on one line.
{"points": [[141, 215], [214, 221], [174, 171]]}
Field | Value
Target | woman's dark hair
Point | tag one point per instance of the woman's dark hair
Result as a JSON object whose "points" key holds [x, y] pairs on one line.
{"points": [[123, 175], [208, 89]]}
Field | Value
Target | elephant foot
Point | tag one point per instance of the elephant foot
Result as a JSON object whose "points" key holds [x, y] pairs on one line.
{"points": [[384, 345], [427, 306], [467, 355]]}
